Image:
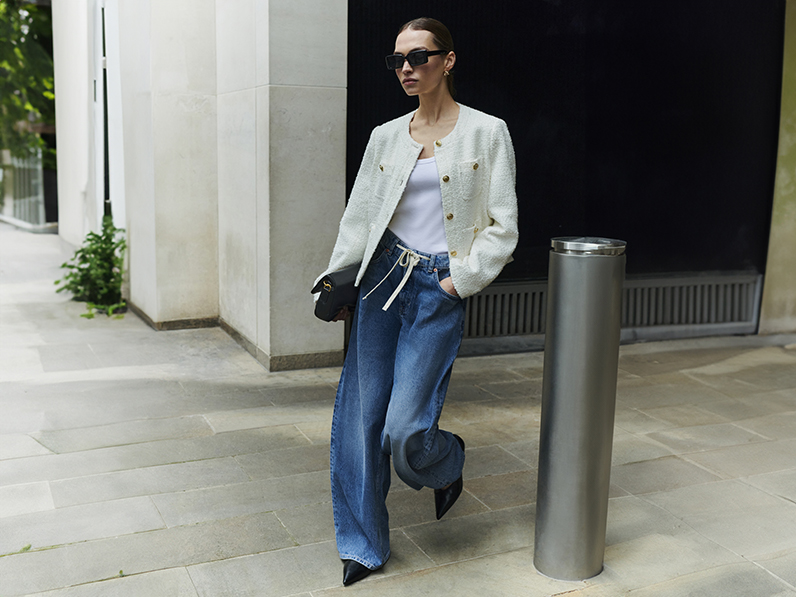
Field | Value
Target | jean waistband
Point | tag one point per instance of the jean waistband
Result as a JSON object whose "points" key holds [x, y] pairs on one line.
{"points": [[389, 240]]}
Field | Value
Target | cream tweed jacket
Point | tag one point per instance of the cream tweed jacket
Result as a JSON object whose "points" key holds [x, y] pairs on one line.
{"points": [[477, 177]]}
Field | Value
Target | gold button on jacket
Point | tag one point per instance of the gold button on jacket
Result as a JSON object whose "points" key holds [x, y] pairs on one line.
{"points": [[445, 178], [449, 216], [453, 253]]}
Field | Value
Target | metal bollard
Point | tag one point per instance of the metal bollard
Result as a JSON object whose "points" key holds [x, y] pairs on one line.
{"points": [[581, 357]]}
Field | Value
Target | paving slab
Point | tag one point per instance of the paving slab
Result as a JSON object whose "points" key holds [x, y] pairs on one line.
{"points": [[781, 425], [78, 523], [633, 420], [19, 446], [684, 415], [105, 460], [669, 389], [25, 499], [654, 558], [283, 463], [217, 503], [476, 535], [298, 570], [742, 518], [781, 484], [494, 430], [468, 371], [632, 517], [267, 416], [782, 565], [92, 561], [310, 523], [756, 371], [492, 411], [657, 362], [660, 474], [120, 434], [73, 404], [748, 459], [733, 579], [758, 405], [526, 450], [165, 583], [529, 389], [466, 392], [20, 363], [700, 438], [316, 432], [491, 460], [629, 447], [292, 395], [67, 357], [510, 575], [276, 574], [150, 480], [408, 507], [508, 490]]}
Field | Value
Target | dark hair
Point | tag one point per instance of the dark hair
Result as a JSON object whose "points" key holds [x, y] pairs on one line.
{"points": [[441, 36]]}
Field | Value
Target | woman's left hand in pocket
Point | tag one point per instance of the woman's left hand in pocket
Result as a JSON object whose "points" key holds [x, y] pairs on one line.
{"points": [[447, 286]]}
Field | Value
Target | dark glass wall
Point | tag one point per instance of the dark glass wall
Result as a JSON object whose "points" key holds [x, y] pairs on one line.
{"points": [[652, 122]]}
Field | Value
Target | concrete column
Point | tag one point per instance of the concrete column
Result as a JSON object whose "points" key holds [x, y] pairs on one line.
{"points": [[281, 172], [72, 43], [778, 310], [167, 56]]}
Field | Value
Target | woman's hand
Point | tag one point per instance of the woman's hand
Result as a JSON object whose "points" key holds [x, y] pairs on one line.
{"points": [[342, 314], [447, 286]]}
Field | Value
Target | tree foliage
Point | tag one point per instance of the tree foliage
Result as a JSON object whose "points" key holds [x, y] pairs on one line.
{"points": [[26, 74]]}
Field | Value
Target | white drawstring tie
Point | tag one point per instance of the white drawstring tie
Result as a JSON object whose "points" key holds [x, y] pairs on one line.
{"points": [[408, 259]]}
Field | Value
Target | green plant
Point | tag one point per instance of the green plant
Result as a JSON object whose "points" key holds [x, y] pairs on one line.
{"points": [[95, 271], [26, 77]]}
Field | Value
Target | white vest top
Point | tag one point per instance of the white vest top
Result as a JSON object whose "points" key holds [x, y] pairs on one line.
{"points": [[418, 219]]}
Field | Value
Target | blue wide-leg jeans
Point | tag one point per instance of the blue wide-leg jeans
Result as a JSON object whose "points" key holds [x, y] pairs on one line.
{"points": [[390, 398]]}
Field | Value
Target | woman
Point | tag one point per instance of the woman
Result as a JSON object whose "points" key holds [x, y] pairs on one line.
{"points": [[433, 219]]}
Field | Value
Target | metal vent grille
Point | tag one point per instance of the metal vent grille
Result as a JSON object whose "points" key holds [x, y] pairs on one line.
{"points": [[689, 301], [507, 310], [513, 314]]}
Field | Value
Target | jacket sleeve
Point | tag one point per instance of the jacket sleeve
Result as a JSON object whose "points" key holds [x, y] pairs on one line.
{"points": [[352, 236], [493, 246]]}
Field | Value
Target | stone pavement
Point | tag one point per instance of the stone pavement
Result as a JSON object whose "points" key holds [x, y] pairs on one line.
{"points": [[143, 463]]}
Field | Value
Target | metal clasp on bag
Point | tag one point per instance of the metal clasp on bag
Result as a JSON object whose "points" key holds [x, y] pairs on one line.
{"points": [[327, 287]]}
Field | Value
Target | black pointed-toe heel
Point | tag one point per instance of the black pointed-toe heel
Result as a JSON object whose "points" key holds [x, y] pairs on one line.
{"points": [[353, 572], [445, 498]]}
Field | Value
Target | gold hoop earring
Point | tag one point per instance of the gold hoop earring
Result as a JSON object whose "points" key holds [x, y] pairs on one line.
{"points": [[447, 73]]}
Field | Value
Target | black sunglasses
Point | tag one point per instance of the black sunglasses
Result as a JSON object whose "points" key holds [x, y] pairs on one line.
{"points": [[414, 58]]}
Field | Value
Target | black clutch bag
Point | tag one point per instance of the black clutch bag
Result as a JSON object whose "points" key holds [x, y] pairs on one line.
{"points": [[337, 291]]}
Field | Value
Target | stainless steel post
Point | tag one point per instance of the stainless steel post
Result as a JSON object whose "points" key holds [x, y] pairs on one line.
{"points": [[581, 357]]}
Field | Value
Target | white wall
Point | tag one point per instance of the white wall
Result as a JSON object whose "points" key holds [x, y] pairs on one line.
{"points": [[778, 310], [237, 172], [233, 147], [73, 103], [281, 162], [138, 138], [115, 118], [167, 52]]}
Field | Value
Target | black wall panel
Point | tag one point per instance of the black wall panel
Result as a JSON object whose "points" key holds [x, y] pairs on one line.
{"points": [[653, 122]]}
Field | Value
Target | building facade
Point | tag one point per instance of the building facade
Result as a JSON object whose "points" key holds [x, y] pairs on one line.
{"points": [[224, 124]]}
